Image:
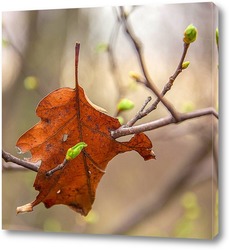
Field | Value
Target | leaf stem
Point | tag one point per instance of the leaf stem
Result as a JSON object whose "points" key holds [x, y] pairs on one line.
{"points": [[77, 50]]}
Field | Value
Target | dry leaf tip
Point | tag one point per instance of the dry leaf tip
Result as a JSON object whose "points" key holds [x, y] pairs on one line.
{"points": [[25, 208]]}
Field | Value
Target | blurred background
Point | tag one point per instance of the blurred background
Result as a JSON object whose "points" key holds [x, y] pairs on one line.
{"points": [[175, 195]]}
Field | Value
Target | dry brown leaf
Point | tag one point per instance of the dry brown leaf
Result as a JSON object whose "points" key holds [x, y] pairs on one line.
{"points": [[66, 119]]}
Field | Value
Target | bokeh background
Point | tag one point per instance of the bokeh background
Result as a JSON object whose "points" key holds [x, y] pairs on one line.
{"points": [[175, 195]]}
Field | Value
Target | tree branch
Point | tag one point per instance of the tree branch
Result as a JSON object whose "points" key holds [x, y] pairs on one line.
{"points": [[149, 82], [123, 131], [167, 87], [57, 168], [10, 158]]}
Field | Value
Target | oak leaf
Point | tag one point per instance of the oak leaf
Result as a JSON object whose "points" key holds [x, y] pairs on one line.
{"points": [[67, 118]]}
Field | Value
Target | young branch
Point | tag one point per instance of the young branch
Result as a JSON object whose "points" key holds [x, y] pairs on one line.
{"points": [[10, 158], [57, 168], [167, 87], [149, 82], [123, 131]]}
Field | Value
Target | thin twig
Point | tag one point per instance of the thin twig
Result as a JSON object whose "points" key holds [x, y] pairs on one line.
{"points": [[10, 158], [138, 47], [139, 115], [172, 78], [111, 44], [149, 82], [167, 87], [57, 168], [123, 131]]}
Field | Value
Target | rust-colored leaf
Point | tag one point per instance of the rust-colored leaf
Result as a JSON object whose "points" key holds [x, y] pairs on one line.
{"points": [[67, 118]]}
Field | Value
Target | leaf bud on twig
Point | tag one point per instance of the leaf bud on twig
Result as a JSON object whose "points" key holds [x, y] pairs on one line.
{"points": [[185, 65], [125, 104], [74, 151], [134, 75], [190, 34]]}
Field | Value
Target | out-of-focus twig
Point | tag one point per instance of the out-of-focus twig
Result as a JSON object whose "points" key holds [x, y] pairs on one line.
{"points": [[153, 202], [111, 56]]}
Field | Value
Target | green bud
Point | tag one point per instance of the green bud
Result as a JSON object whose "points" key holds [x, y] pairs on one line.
{"points": [[102, 47], [125, 104], [188, 107], [185, 65], [31, 82], [134, 75], [190, 34], [217, 36], [74, 151]]}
